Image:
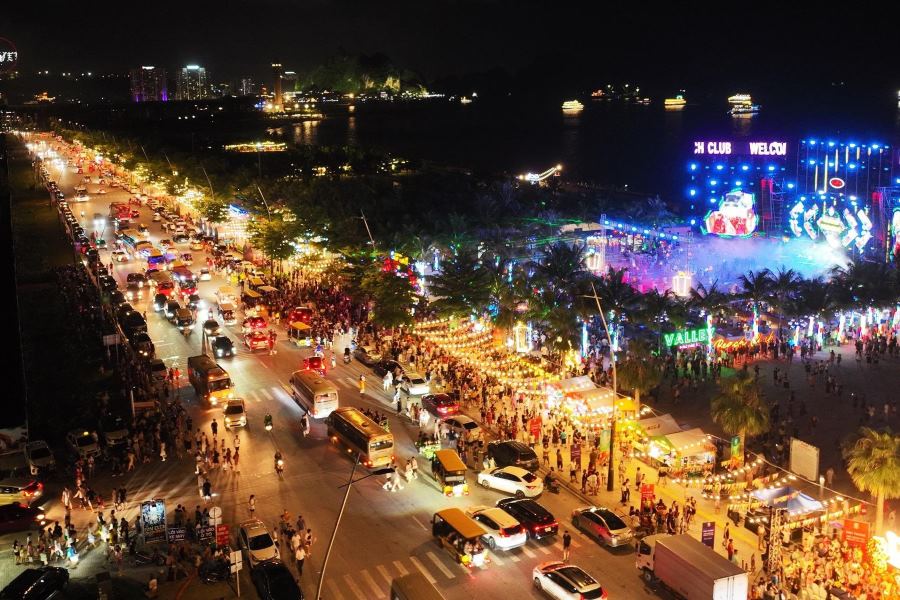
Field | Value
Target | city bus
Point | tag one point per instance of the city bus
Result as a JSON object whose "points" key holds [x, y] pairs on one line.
{"points": [[131, 238], [211, 382], [359, 434], [314, 393], [156, 260], [414, 586]]}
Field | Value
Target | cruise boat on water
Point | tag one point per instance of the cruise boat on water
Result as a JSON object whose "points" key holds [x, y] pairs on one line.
{"points": [[572, 106], [675, 103], [742, 105]]}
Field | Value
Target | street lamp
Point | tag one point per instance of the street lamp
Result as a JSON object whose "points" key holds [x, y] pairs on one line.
{"points": [[337, 523], [610, 474]]}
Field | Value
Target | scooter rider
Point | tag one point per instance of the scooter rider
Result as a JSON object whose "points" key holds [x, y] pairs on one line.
{"points": [[279, 462], [304, 425], [347, 356]]}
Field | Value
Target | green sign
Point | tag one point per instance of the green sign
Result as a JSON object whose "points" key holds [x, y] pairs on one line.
{"points": [[687, 337]]}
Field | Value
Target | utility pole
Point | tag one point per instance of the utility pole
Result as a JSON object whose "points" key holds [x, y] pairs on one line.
{"points": [[610, 474], [266, 204], [369, 231], [334, 533]]}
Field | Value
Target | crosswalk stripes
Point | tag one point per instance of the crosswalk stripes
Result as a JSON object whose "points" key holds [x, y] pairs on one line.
{"points": [[354, 588], [335, 592], [543, 549], [529, 552], [371, 582], [439, 565], [384, 573], [399, 566], [265, 392], [514, 557], [418, 564], [254, 396]]}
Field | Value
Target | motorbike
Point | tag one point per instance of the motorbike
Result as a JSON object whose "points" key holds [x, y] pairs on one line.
{"points": [[551, 485], [268, 422], [346, 356], [279, 465], [214, 571]]}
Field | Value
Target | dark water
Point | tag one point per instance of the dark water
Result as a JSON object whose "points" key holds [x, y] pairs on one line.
{"points": [[643, 147]]}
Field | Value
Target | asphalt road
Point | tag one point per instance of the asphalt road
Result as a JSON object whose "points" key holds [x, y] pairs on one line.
{"points": [[382, 534]]}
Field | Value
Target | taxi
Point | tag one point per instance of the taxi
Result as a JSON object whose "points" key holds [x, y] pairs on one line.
{"points": [[253, 323]]}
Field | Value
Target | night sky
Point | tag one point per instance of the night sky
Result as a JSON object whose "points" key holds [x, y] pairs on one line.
{"points": [[573, 42]]}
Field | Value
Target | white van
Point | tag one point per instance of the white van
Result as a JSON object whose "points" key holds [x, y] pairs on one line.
{"points": [[314, 393]]}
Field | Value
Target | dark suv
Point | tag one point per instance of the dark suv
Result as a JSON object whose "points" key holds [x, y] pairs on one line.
{"points": [[510, 453], [36, 584], [536, 519]]}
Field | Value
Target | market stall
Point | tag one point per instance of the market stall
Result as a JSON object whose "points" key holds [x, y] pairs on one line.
{"points": [[683, 453]]}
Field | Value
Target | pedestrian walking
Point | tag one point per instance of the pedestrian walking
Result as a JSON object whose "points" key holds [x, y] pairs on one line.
{"points": [[214, 427], [300, 556], [251, 505], [362, 385], [567, 543]]}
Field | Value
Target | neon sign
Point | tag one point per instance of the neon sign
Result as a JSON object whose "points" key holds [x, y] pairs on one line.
{"points": [[734, 216], [689, 337], [720, 148], [9, 55], [836, 182]]}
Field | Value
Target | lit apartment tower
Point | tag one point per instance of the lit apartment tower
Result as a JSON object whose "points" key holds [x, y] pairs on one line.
{"points": [[247, 87], [192, 83], [278, 101], [148, 84]]}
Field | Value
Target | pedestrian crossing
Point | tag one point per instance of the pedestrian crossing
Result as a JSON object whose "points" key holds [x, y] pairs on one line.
{"points": [[436, 566], [265, 394]]}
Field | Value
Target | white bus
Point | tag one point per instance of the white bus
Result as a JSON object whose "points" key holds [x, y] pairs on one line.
{"points": [[314, 393], [361, 435]]}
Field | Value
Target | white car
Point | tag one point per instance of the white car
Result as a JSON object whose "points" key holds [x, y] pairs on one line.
{"points": [[566, 582], [119, 256], [256, 542], [464, 427], [501, 529], [157, 217], [234, 414], [512, 480], [204, 274], [83, 443], [39, 457], [414, 384]]}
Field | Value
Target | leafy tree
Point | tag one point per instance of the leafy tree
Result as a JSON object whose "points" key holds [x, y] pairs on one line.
{"points": [[784, 285], [393, 298], [873, 461], [463, 287], [756, 287], [711, 300], [274, 238], [739, 409], [214, 210]]}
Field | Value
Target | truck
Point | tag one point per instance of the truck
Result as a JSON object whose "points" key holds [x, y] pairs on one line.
{"points": [[211, 382], [690, 569]]}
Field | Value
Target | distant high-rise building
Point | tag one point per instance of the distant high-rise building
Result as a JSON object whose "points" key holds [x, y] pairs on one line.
{"points": [[278, 100], [192, 83], [289, 81], [148, 84], [247, 87]]}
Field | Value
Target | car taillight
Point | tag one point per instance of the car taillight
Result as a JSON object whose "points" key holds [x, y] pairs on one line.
{"points": [[442, 410]]}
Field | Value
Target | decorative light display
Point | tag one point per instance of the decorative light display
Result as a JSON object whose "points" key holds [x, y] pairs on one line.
{"points": [[734, 217], [681, 284]]}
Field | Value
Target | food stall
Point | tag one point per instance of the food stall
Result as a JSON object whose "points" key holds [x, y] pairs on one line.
{"points": [[640, 432], [683, 453]]}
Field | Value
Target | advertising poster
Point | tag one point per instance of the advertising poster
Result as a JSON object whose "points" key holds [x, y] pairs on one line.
{"points": [[708, 534], [222, 535], [153, 520], [647, 492], [206, 534], [176, 534], [856, 534]]}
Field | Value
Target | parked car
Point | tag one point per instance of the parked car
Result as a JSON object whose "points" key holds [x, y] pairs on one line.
{"points": [[114, 430], [414, 384], [513, 453], [39, 457], [537, 520], [563, 581], [512, 480], [367, 355], [464, 427], [274, 581], [36, 584], [21, 490], [602, 525], [381, 369], [256, 542], [83, 443]]}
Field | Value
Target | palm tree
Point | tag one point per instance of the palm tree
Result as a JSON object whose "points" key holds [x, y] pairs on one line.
{"points": [[756, 289], [640, 371], [462, 287], [561, 265], [873, 461], [784, 283], [739, 409], [615, 293], [710, 300], [868, 284]]}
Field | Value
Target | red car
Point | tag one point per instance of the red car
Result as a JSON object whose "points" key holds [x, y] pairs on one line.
{"points": [[135, 214], [440, 405], [300, 314], [257, 340], [187, 287], [315, 363], [165, 288], [253, 323]]}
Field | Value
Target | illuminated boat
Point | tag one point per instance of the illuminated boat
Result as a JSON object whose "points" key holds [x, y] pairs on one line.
{"points": [[675, 103], [465, 100], [741, 105], [572, 106]]}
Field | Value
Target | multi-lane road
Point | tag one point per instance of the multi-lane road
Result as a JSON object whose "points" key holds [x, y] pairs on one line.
{"points": [[382, 534]]}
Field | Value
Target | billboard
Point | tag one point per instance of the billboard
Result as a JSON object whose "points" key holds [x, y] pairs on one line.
{"points": [[735, 216], [153, 520], [804, 459]]}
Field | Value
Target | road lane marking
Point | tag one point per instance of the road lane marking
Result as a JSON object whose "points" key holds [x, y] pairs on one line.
{"points": [[528, 552], [353, 588], [372, 584], [385, 574], [399, 566], [254, 396], [543, 549], [440, 565], [514, 557], [266, 393], [495, 558], [419, 523], [334, 590], [422, 569]]}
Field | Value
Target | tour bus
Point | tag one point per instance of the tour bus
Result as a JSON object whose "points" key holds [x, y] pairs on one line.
{"points": [[360, 434], [156, 260], [314, 393], [211, 382], [414, 586]]}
